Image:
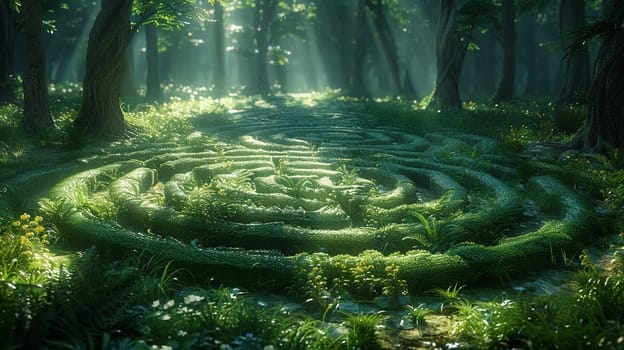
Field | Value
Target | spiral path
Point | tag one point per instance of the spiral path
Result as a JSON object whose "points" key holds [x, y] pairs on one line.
{"points": [[260, 193]]}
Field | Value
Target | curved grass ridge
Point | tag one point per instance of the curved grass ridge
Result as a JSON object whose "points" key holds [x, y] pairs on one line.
{"points": [[273, 199]]}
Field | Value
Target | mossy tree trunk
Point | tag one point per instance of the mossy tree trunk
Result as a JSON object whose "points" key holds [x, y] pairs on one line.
{"points": [[36, 109], [7, 50], [108, 41], [152, 81], [450, 54], [506, 85], [577, 66], [605, 127]]}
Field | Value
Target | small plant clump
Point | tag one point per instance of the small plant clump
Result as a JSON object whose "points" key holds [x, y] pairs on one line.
{"points": [[326, 282], [417, 315], [25, 271], [362, 330]]}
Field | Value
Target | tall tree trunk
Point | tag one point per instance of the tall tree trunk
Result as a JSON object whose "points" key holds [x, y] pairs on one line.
{"points": [[577, 66], [388, 44], [108, 41], [265, 12], [7, 51], [506, 85], [530, 53], [450, 54], [605, 127], [152, 81], [356, 85], [36, 110], [219, 40]]}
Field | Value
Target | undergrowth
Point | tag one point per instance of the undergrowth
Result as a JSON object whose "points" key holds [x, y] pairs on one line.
{"points": [[587, 314]]}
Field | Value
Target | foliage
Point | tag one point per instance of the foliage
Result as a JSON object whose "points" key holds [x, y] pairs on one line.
{"points": [[222, 317], [25, 272], [451, 297], [474, 15], [417, 314], [588, 314], [20, 241], [325, 281], [219, 199], [287, 23], [294, 187], [166, 14], [431, 239], [362, 328], [56, 210], [348, 177]]}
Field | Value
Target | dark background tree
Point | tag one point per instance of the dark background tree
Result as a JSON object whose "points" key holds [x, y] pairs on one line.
{"points": [[605, 127], [219, 50], [7, 50], [356, 84], [379, 9], [263, 19], [36, 109], [153, 92], [454, 36], [506, 85], [450, 53], [577, 67]]}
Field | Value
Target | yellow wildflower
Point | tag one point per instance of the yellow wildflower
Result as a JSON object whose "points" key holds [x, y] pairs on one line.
{"points": [[39, 229], [16, 223], [24, 217], [29, 235], [38, 219], [25, 227]]}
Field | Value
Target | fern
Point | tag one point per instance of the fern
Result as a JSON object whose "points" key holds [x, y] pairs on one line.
{"points": [[294, 187], [56, 210], [348, 177], [429, 240]]}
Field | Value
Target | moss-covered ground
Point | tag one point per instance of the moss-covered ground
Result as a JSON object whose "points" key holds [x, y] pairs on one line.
{"points": [[309, 221]]}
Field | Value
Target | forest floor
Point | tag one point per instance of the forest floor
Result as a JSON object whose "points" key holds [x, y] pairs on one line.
{"points": [[412, 184]]}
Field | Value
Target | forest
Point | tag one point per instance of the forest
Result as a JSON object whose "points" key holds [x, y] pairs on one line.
{"points": [[311, 174]]}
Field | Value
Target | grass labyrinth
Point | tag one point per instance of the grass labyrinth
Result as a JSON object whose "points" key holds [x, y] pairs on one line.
{"points": [[287, 194]]}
